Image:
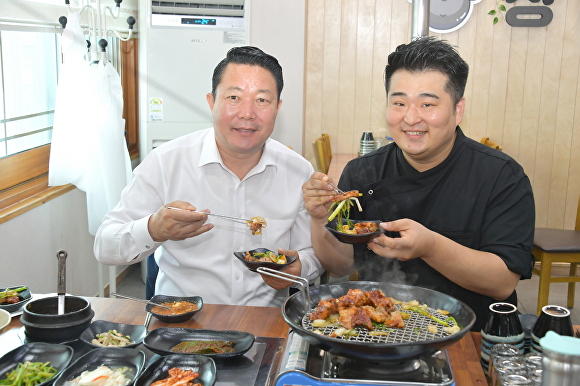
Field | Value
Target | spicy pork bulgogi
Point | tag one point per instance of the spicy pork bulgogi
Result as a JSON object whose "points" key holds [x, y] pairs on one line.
{"points": [[360, 308], [257, 224], [345, 195]]}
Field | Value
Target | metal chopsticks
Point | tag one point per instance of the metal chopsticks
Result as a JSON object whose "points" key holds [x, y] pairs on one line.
{"points": [[230, 218], [138, 300], [336, 189]]}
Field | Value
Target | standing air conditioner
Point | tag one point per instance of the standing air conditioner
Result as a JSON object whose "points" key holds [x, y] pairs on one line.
{"points": [[180, 45]]}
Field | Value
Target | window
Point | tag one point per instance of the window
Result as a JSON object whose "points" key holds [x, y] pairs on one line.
{"points": [[28, 73], [29, 66]]}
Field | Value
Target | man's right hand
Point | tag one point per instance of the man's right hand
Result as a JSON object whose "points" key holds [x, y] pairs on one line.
{"points": [[317, 196], [170, 224]]}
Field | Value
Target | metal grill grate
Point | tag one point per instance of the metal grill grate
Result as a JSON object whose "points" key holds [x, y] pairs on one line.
{"points": [[415, 329]]}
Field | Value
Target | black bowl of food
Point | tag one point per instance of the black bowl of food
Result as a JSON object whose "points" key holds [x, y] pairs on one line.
{"points": [[182, 308], [102, 333], [12, 298], [121, 367], [357, 232], [43, 323], [50, 357], [163, 368], [263, 257]]}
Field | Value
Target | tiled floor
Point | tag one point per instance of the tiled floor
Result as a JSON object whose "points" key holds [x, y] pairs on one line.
{"points": [[527, 292]]}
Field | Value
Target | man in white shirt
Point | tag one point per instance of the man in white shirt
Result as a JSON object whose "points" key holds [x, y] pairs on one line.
{"points": [[233, 169]]}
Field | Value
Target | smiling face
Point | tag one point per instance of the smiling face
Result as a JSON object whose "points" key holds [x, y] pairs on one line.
{"points": [[244, 110], [422, 117]]}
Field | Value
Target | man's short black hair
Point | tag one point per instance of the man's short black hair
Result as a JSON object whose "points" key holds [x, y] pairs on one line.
{"points": [[430, 54], [252, 56]]}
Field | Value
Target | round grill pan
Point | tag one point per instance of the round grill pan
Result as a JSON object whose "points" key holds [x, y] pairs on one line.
{"points": [[401, 344]]}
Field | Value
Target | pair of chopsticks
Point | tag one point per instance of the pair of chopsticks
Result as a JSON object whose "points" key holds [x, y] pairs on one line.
{"points": [[229, 218], [335, 188], [138, 300]]}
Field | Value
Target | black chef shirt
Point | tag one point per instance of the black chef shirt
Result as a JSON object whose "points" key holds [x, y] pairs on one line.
{"points": [[478, 197]]}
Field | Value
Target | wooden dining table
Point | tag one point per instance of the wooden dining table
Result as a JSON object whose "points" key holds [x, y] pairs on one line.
{"points": [[260, 321]]}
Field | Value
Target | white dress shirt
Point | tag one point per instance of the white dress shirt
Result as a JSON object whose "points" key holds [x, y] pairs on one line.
{"points": [[190, 169]]}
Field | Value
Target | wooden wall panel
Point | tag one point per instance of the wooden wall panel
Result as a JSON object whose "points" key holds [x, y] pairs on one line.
{"points": [[523, 89], [345, 128]]}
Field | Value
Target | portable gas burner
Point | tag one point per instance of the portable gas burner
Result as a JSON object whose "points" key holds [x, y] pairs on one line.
{"points": [[303, 365]]}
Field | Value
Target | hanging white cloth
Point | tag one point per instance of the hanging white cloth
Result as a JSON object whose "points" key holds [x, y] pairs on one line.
{"points": [[88, 144]]}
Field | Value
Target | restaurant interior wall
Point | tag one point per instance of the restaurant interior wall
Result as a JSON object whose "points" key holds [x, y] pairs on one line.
{"points": [[522, 92], [30, 240], [177, 58]]}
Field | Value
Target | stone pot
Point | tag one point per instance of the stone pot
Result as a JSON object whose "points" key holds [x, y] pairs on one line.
{"points": [[42, 322]]}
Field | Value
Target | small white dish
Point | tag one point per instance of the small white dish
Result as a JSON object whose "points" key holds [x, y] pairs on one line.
{"points": [[5, 319]]}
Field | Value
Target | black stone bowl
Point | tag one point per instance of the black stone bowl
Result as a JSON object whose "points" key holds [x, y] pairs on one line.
{"points": [[254, 265], [42, 322], [160, 299]]}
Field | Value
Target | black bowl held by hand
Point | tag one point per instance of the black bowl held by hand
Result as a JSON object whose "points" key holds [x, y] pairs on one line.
{"points": [[43, 323], [253, 265], [165, 315], [349, 238]]}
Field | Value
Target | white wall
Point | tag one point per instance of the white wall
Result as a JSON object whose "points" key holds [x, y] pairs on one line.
{"points": [[30, 242], [278, 28]]}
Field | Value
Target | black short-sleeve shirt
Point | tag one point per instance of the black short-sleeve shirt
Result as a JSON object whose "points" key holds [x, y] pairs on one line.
{"points": [[478, 197]]}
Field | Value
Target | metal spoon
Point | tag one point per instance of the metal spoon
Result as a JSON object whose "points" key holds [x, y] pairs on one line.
{"points": [[61, 257], [139, 300]]}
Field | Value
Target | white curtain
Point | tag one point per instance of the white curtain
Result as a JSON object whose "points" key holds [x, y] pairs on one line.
{"points": [[88, 143]]}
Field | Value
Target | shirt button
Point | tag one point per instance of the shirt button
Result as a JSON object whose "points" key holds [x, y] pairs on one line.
{"points": [[147, 246], [237, 277]]}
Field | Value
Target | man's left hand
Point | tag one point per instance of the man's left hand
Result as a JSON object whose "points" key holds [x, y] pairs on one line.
{"points": [[293, 269], [414, 241]]}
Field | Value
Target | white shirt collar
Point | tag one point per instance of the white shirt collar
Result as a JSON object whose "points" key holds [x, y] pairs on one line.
{"points": [[210, 154]]}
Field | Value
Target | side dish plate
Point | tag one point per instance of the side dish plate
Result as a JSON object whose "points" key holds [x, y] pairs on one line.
{"points": [[162, 339], [113, 358], [24, 295], [354, 239], [158, 370], [160, 299], [135, 332], [252, 266], [58, 355]]}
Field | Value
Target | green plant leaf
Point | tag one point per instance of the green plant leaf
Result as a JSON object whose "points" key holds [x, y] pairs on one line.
{"points": [[492, 12], [502, 7], [495, 20]]}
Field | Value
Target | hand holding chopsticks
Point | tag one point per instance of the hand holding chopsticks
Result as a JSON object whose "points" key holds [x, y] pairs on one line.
{"points": [[255, 223], [229, 218]]}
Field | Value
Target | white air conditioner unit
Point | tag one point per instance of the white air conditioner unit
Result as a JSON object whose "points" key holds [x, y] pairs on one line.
{"points": [[180, 45]]}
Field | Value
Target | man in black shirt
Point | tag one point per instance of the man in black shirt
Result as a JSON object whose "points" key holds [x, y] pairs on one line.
{"points": [[459, 216]]}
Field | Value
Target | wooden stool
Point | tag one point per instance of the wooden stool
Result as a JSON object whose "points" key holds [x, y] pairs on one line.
{"points": [[557, 246]]}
